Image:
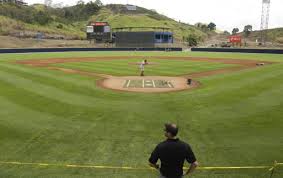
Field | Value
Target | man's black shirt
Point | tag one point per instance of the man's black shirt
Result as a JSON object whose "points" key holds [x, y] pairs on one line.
{"points": [[172, 154]]}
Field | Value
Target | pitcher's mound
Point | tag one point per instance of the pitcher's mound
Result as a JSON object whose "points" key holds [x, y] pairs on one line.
{"points": [[147, 84]]}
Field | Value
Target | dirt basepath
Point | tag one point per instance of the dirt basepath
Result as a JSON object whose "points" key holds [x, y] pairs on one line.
{"points": [[116, 83]]}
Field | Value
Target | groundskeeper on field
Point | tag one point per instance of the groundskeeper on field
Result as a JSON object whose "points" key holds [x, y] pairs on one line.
{"points": [[172, 153]]}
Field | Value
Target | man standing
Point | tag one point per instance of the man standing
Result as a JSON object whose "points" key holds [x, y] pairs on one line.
{"points": [[172, 154], [144, 62]]}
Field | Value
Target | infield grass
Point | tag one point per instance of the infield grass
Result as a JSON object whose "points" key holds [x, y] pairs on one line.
{"points": [[158, 67], [48, 116]]}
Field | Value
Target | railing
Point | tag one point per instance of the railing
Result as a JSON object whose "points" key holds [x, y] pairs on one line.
{"points": [[36, 50]]}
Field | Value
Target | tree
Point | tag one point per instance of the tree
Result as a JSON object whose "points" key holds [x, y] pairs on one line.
{"points": [[247, 30], [98, 2], [211, 26], [48, 3], [90, 9], [235, 31], [192, 40], [204, 27], [198, 25], [80, 3], [42, 18], [59, 5], [226, 33], [201, 26]]}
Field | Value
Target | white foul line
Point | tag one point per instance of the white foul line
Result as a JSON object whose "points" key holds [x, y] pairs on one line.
{"points": [[143, 83]]}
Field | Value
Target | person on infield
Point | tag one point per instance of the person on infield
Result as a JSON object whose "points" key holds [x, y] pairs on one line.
{"points": [[144, 62], [172, 153]]}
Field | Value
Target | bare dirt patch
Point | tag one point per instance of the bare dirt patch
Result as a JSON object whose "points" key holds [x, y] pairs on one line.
{"points": [[117, 83]]}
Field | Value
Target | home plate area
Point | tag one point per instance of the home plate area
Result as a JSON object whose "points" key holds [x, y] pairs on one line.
{"points": [[148, 84]]}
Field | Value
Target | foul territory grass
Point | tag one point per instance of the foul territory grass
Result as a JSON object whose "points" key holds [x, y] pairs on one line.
{"points": [[160, 67], [48, 116]]}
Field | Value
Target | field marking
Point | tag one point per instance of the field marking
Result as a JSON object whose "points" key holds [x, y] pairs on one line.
{"points": [[153, 84], [169, 84], [143, 83], [148, 83], [269, 168], [129, 81]]}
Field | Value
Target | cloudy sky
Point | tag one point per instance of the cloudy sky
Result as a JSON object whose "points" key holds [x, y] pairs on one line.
{"points": [[227, 14]]}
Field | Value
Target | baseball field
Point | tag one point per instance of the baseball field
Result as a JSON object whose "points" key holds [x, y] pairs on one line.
{"points": [[60, 116]]}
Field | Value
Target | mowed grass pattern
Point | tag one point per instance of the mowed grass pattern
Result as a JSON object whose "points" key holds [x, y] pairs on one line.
{"points": [[48, 116], [159, 67]]}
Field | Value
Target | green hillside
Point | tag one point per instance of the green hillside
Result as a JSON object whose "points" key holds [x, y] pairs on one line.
{"points": [[12, 27], [118, 16], [273, 35], [70, 22]]}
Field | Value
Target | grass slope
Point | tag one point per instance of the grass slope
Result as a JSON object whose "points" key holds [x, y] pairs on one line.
{"points": [[47, 116], [14, 42], [14, 27], [274, 35], [116, 15]]}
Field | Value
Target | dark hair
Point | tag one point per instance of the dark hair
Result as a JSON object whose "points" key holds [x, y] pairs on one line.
{"points": [[171, 128]]}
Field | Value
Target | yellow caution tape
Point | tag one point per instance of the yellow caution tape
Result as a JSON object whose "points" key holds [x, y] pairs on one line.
{"points": [[74, 166], [136, 168], [234, 167]]}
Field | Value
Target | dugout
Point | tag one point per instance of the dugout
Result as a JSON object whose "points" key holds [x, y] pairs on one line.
{"points": [[144, 37]]}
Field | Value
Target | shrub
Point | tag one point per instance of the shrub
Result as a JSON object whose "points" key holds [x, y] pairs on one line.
{"points": [[280, 40], [60, 26], [192, 40]]}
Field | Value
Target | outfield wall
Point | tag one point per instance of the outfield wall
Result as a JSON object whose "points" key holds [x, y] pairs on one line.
{"points": [[239, 50], [38, 50]]}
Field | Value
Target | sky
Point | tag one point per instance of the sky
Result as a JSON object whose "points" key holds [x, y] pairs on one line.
{"points": [[226, 14]]}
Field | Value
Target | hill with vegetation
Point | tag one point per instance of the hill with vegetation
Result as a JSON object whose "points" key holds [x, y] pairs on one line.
{"points": [[70, 22], [273, 39], [118, 16], [250, 39], [272, 35]]}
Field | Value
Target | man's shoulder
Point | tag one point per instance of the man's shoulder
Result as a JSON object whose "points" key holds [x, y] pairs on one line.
{"points": [[185, 143], [165, 142], [162, 143]]}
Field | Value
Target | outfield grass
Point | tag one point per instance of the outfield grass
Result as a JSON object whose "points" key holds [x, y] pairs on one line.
{"points": [[47, 116], [160, 67]]}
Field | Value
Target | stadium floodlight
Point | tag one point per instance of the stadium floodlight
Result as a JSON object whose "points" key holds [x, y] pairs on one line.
{"points": [[264, 19]]}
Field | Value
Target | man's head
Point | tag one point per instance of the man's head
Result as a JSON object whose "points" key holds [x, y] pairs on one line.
{"points": [[171, 130]]}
